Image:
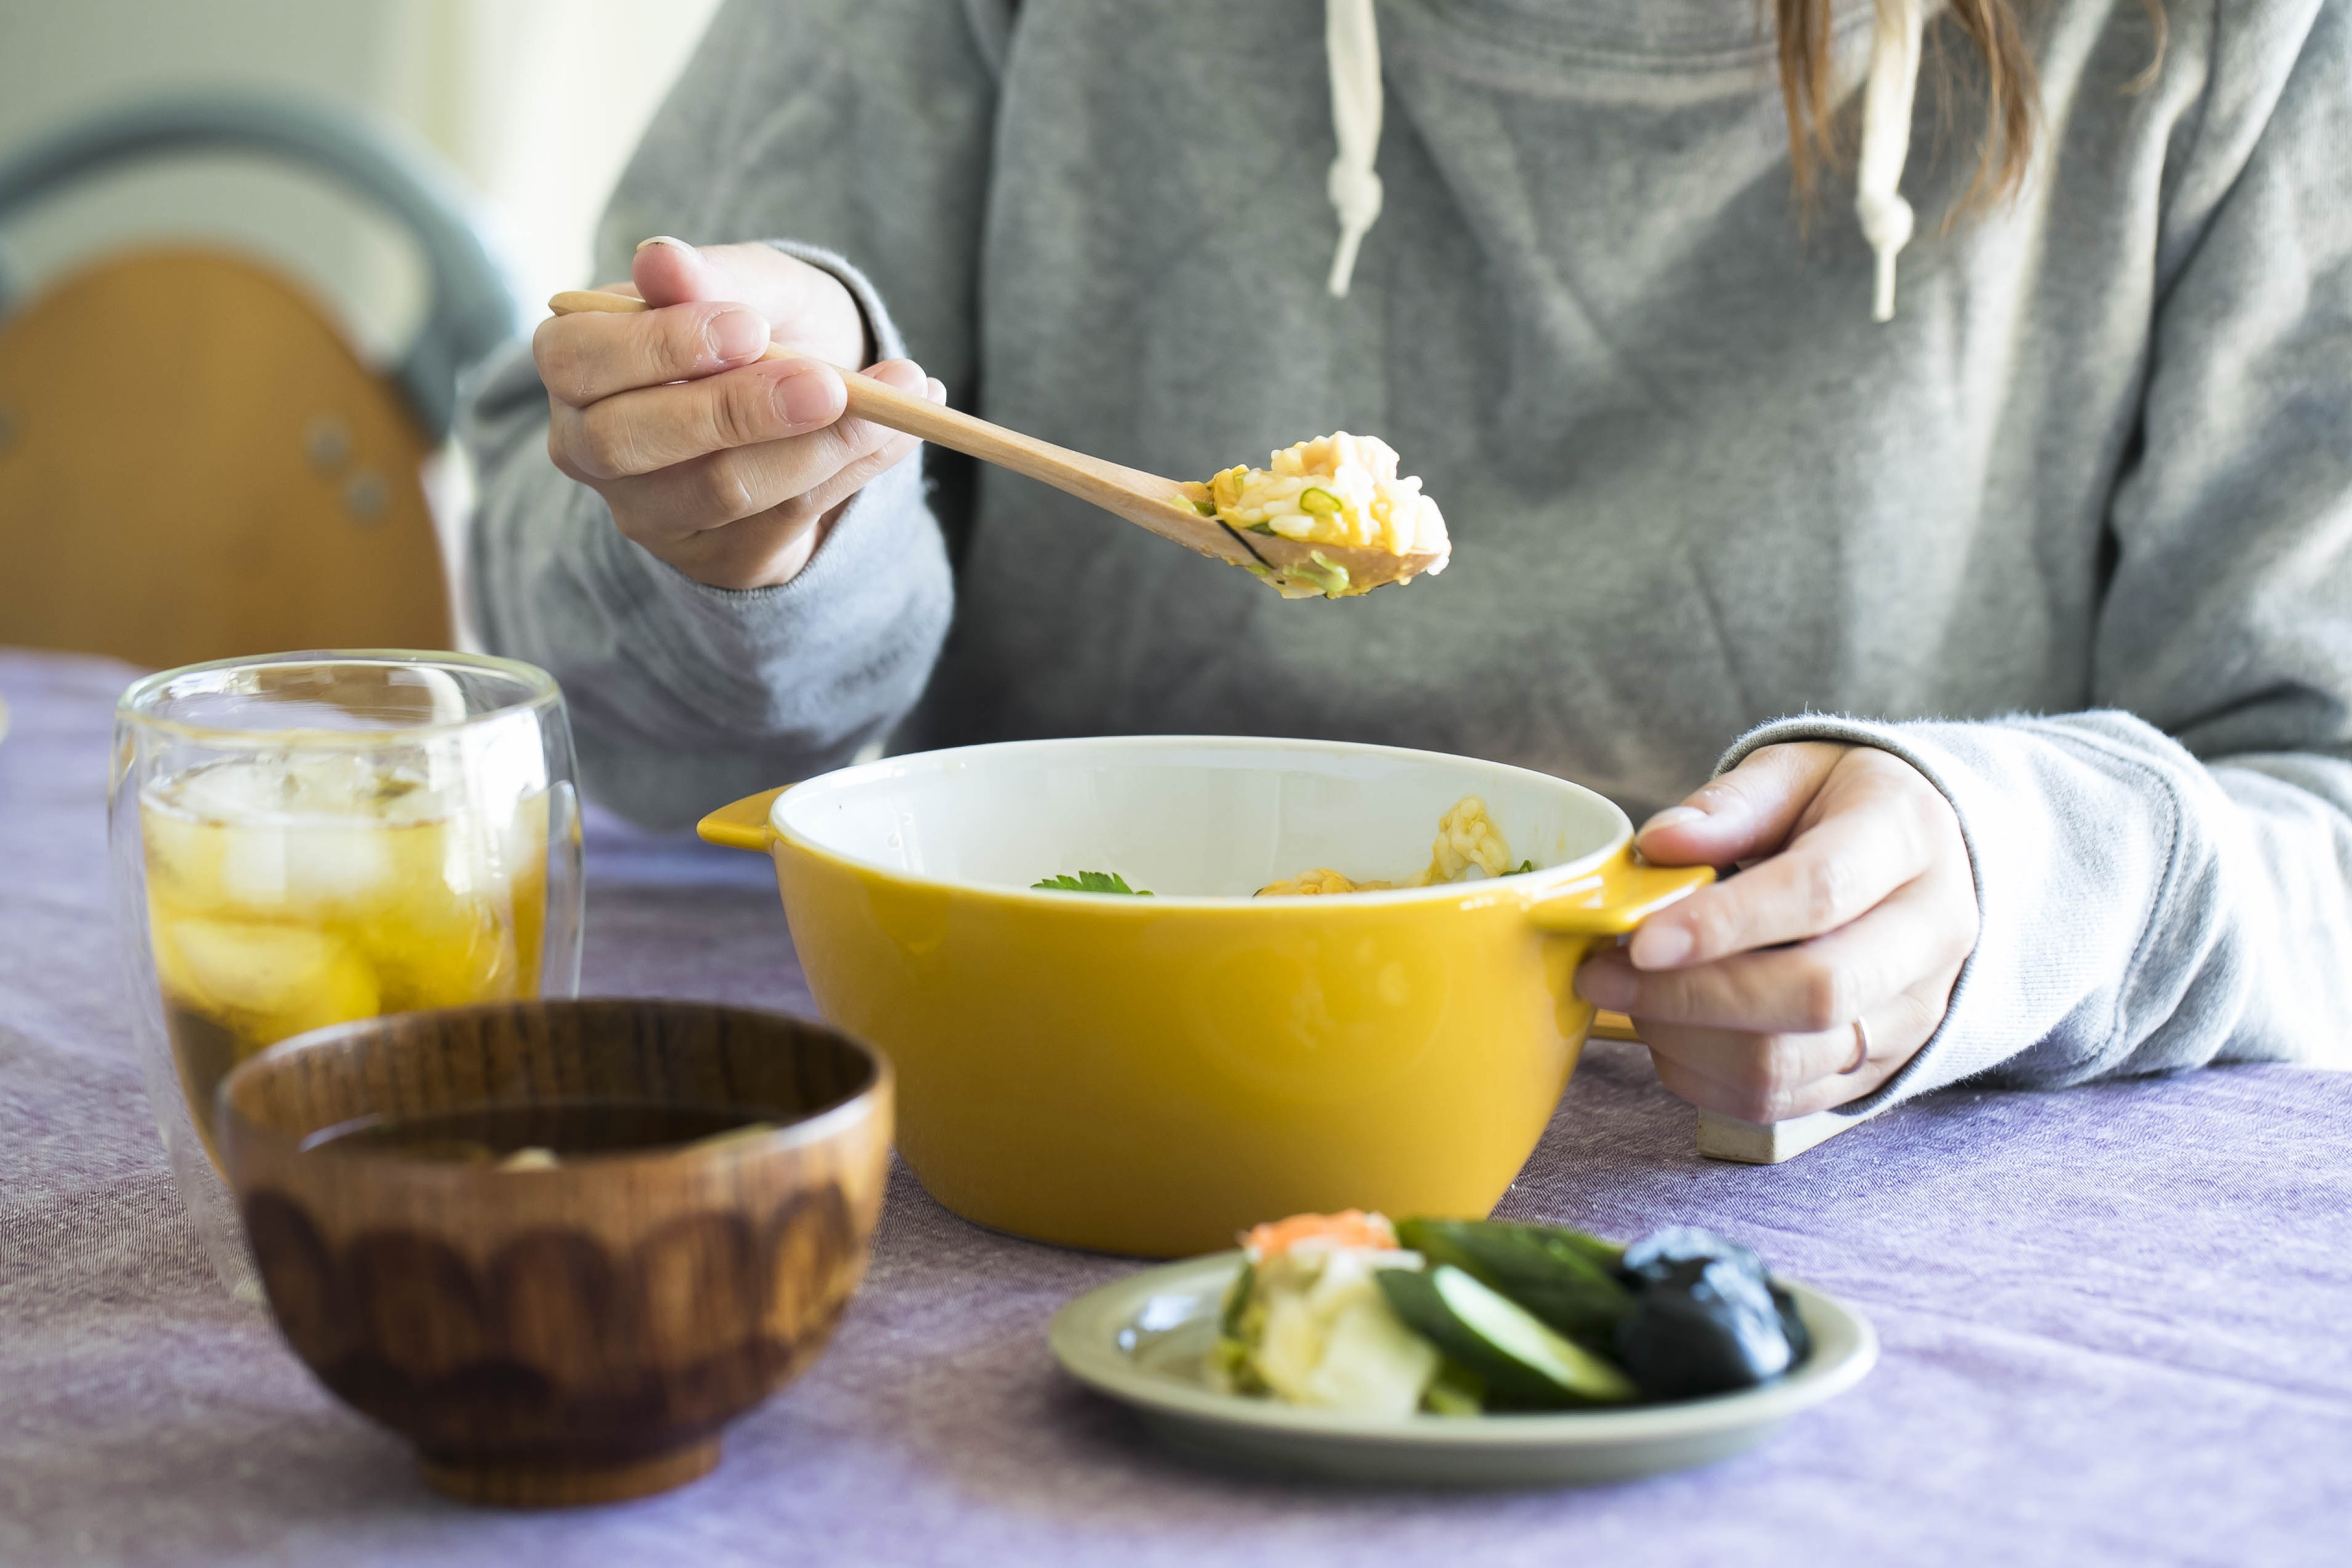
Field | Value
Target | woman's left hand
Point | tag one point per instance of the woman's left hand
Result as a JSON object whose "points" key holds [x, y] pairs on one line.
{"points": [[1859, 905]]}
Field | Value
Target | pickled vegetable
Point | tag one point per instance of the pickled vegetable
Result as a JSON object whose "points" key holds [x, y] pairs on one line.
{"points": [[1567, 1278], [1508, 1348], [1704, 1318], [1305, 1323], [1347, 1311]]}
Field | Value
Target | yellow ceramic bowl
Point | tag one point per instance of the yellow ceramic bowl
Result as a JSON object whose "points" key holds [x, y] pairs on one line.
{"points": [[1150, 1075]]}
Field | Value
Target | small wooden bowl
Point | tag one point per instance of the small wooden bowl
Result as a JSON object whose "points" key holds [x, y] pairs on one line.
{"points": [[579, 1333]]}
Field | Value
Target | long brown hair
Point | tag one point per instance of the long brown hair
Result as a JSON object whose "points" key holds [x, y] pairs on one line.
{"points": [[2011, 88]]}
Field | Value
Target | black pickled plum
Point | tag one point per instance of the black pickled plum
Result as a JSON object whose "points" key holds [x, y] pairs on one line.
{"points": [[1800, 1337], [1705, 1318], [1649, 1258]]}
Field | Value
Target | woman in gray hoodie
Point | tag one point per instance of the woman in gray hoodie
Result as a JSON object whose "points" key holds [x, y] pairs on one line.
{"points": [[2010, 556]]}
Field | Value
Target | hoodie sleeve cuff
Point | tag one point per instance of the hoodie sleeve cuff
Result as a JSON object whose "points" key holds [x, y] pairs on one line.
{"points": [[2070, 826], [884, 331], [885, 526]]}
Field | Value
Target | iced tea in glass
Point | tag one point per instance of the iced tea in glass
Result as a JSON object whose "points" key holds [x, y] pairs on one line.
{"points": [[314, 838]]}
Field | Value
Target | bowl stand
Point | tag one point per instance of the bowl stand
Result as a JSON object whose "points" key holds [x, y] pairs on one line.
{"points": [[1722, 1137]]}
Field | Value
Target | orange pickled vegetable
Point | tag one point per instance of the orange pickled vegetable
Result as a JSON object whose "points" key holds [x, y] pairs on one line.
{"points": [[1348, 1227]]}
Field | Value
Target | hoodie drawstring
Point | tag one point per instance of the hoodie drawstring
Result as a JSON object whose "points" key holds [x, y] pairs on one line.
{"points": [[1352, 48], [1887, 218]]}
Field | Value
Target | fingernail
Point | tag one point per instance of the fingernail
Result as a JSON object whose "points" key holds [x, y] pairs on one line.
{"points": [[936, 390], [738, 333], [1605, 985], [1673, 816], [665, 239], [807, 397], [1660, 946]]}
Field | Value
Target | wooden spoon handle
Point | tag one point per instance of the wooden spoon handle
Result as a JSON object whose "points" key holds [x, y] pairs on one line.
{"points": [[1107, 485]]}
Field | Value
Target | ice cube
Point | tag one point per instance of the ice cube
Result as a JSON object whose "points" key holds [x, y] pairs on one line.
{"points": [[308, 869], [433, 949], [182, 853], [285, 789], [268, 981], [310, 834]]}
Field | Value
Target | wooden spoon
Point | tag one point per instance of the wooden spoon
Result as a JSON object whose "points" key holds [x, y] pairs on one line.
{"points": [[1163, 506]]}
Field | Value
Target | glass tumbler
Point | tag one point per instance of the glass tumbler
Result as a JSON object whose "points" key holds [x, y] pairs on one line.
{"points": [[306, 838]]}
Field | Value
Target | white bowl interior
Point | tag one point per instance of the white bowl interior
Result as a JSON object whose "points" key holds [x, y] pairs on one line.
{"points": [[1182, 816]]}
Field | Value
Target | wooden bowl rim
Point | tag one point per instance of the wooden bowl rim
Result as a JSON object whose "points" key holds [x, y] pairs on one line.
{"points": [[816, 1128]]}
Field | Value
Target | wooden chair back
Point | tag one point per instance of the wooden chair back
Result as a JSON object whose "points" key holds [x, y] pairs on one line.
{"points": [[194, 465]]}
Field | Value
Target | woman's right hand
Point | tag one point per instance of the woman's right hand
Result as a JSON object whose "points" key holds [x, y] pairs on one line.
{"points": [[728, 467]]}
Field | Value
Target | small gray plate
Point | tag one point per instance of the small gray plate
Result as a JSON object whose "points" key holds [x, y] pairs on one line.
{"points": [[1143, 1341]]}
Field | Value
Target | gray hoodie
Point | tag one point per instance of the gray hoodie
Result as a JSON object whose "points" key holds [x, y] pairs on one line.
{"points": [[2072, 533]]}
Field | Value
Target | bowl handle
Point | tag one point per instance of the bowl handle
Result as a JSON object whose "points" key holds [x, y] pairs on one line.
{"points": [[743, 825], [1615, 898]]}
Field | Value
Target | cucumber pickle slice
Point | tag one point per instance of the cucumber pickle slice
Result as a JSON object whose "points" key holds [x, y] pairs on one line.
{"points": [[1564, 1277], [1520, 1360]]}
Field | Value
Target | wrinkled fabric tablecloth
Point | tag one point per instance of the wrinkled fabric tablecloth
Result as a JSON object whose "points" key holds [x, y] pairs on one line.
{"points": [[2117, 1321]]}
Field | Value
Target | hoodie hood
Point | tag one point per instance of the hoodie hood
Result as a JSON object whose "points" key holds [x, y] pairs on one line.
{"points": [[1352, 53]]}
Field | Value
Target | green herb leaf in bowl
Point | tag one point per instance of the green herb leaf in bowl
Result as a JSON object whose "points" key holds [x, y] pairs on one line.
{"points": [[1091, 882]]}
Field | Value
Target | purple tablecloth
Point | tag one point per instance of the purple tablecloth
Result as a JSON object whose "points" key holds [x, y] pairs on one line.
{"points": [[2116, 1320]]}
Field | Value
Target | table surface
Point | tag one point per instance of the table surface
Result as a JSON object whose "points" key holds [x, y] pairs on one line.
{"points": [[2113, 1317]]}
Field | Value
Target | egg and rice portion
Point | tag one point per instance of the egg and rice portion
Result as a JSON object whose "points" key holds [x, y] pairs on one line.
{"points": [[1338, 489], [1466, 837]]}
